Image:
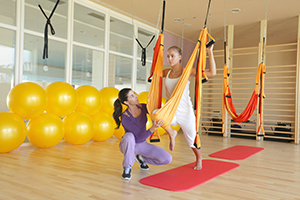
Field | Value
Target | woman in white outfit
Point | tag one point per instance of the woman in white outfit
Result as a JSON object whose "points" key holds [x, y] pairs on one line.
{"points": [[185, 116]]}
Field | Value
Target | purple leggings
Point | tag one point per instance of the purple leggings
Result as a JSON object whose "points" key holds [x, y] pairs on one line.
{"points": [[152, 154]]}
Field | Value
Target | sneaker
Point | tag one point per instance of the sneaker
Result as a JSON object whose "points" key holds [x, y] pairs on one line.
{"points": [[141, 161], [126, 173]]}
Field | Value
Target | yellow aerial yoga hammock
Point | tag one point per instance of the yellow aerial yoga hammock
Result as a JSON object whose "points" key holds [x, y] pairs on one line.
{"points": [[167, 112]]}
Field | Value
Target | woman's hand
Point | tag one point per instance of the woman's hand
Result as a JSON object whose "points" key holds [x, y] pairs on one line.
{"points": [[209, 49], [156, 124]]}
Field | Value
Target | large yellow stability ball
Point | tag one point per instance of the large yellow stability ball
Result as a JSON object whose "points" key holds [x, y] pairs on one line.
{"points": [[176, 127], [118, 133], [89, 100], [104, 126], [27, 100], [79, 128], [62, 98], [108, 96], [144, 95], [45, 131], [12, 132]]}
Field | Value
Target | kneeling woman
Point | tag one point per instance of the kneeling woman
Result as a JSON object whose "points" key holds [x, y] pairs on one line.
{"points": [[134, 145]]}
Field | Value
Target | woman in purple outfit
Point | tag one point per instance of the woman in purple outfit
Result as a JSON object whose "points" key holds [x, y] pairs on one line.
{"points": [[134, 145]]}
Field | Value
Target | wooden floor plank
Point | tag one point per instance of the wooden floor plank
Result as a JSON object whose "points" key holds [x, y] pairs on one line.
{"points": [[93, 172]]}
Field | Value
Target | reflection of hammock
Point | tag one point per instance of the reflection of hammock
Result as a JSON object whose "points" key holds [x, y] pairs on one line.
{"points": [[167, 112], [246, 114]]}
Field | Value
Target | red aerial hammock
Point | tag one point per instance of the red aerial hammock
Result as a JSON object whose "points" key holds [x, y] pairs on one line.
{"points": [[257, 95], [167, 112]]}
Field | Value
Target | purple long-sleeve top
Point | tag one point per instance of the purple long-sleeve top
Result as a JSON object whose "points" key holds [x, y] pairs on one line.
{"points": [[137, 125]]}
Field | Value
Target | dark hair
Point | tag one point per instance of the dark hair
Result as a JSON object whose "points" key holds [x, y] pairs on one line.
{"points": [[123, 96]]}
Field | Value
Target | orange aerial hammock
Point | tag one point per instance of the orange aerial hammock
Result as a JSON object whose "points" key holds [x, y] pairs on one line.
{"points": [[257, 95], [167, 112]]}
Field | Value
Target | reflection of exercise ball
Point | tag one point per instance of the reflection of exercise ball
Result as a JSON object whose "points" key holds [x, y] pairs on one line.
{"points": [[12, 132], [62, 98], [79, 128], [27, 100], [108, 96], [45, 131], [104, 126], [118, 133], [143, 98], [89, 100]]}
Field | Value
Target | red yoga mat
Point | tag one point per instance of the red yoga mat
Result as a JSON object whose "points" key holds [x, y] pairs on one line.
{"points": [[185, 177], [237, 152]]}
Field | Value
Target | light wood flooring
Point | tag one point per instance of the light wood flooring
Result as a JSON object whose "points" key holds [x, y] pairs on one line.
{"points": [[93, 172]]}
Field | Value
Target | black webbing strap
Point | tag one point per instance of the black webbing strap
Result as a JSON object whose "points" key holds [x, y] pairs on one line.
{"points": [[207, 13], [143, 58], [45, 52]]}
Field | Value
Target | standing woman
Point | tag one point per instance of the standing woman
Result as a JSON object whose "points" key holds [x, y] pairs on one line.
{"points": [[185, 116], [134, 120]]}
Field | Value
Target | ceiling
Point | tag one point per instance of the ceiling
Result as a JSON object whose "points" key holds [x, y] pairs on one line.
{"points": [[282, 17]]}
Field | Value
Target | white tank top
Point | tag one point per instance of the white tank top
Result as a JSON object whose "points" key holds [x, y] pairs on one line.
{"points": [[170, 84]]}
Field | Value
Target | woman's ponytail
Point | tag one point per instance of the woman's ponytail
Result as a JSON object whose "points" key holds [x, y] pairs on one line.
{"points": [[123, 96]]}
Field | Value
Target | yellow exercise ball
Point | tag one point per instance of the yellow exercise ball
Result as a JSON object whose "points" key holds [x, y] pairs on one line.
{"points": [[149, 122], [143, 98], [104, 126], [62, 98], [118, 133], [163, 101], [108, 96], [12, 132], [161, 131], [176, 127], [79, 128], [27, 100], [45, 131], [89, 100]]}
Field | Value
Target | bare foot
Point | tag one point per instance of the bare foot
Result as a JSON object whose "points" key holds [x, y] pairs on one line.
{"points": [[198, 164], [172, 140]]}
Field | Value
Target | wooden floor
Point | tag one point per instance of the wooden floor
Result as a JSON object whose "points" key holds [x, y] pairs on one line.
{"points": [[93, 171]]}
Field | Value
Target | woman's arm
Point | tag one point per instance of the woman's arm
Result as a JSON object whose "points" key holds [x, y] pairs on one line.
{"points": [[212, 64], [212, 71]]}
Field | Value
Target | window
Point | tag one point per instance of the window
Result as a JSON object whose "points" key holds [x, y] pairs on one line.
{"points": [[88, 67], [89, 26], [8, 12], [121, 37], [120, 71], [39, 70], [7, 65], [36, 21]]}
